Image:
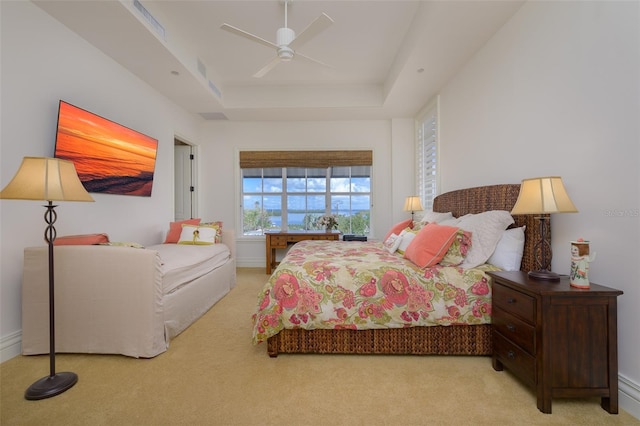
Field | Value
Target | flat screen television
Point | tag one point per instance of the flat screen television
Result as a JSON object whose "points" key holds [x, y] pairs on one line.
{"points": [[109, 158]]}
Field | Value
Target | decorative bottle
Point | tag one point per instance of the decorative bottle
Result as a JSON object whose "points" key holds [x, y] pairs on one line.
{"points": [[579, 275]]}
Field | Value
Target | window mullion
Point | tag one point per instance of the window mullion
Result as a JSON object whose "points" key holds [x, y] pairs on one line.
{"points": [[284, 213]]}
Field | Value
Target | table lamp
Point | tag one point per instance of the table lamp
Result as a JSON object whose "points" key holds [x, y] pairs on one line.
{"points": [[543, 196], [412, 204]]}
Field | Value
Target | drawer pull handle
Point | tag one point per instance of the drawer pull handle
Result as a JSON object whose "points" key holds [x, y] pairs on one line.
{"points": [[511, 300], [511, 355], [511, 327]]}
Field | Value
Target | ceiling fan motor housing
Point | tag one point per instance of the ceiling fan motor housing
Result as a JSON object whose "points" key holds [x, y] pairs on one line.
{"points": [[284, 37]]}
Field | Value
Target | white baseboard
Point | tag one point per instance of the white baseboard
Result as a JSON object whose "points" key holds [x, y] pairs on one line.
{"points": [[10, 346], [629, 396], [250, 263]]}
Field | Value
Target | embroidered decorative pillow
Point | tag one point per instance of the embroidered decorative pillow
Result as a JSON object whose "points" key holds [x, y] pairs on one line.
{"points": [[430, 244], [175, 229], [417, 225], [198, 235], [392, 243], [458, 249], [218, 226]]}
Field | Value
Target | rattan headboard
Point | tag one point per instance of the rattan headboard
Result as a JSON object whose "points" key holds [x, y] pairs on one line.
{"points": [[494, 197]]}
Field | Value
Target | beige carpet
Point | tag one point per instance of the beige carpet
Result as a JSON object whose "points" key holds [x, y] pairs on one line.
{"points": [[212, 375]]}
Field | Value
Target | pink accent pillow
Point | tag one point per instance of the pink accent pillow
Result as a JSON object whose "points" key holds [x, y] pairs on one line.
{"points": [[430, 244], [175, 229], [81, 240], [398, 227]]}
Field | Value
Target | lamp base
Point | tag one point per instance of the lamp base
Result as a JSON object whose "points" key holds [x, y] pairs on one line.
{"points": [[544, 275], [51, 386]]}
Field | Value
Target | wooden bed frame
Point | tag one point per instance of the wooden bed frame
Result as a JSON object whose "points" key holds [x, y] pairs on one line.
{"points": [[434, 340]]}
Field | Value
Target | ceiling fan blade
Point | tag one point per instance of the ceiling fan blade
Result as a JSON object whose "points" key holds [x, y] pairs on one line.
{"points": [[307, 58], [247, 35], [316, 27], [264, 70]]}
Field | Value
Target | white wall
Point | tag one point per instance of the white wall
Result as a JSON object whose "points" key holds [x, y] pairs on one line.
{"points": [[221, 142], [43, 62], [557, 92]]}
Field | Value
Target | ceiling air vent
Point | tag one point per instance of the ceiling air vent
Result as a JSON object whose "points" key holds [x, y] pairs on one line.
{"points": [[150, 19]]}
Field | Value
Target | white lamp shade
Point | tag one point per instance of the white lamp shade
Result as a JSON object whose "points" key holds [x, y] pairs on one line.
{"points": [[46, 179], [543, 195], [412, 204]]}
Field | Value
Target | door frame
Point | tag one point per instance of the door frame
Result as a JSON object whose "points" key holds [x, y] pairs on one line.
{"points": [[177, 140]]}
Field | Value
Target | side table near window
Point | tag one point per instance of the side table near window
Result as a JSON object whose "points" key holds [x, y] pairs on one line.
{"points": [[560, 340], [281, 239]]}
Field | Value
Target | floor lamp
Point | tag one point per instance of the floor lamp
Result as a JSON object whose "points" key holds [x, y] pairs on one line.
{"points": [[543, 196], [48, 179], [412, 204]]}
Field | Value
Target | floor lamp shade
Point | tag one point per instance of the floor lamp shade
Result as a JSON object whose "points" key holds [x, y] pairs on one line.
{"points": [[543, 196], [48, 179]]}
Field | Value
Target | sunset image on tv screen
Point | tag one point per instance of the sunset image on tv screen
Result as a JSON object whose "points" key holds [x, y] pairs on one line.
{"points": [[109, 157]]}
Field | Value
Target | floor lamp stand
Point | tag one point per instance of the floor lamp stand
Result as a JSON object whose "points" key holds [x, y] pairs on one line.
{"points": [[55, 383]]}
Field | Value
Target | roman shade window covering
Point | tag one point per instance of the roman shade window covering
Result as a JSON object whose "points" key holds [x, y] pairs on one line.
{"points": [[308, 159]]}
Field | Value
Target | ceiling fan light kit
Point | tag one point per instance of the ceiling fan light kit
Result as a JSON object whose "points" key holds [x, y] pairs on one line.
{"points": [[286, 40], [284, 37]]}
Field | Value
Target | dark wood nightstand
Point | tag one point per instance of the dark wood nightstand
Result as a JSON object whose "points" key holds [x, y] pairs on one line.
{"points": [[558, 339]]}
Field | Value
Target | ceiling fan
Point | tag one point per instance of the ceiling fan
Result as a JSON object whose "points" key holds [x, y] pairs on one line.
{"points": [[287, 42]]}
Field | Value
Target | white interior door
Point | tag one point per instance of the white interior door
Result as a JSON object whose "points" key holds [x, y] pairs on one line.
{"points": [[184, 185]]}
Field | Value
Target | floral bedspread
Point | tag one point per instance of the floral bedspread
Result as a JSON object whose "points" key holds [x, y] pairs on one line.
{"points": [[360, 285]]}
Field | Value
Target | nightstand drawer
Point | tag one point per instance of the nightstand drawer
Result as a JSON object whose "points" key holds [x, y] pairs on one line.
{"points": [[519, 332], [515, 359], [514, 302]]}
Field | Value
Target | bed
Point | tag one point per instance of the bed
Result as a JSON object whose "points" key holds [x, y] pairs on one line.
{"points": [[461, 334]]}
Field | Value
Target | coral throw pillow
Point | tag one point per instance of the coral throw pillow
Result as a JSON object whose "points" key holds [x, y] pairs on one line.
{"points": [[430, 244], [81, 240], [398, 227], [175, 229]]}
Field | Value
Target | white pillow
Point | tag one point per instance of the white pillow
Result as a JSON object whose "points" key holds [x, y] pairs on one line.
{"points": [[406, 237], [392, 243], [431, 216], [454, 221], [197, 235], [486, 230], [508, 253]]}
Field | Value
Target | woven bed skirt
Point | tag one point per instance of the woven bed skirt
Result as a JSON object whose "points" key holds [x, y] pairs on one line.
{"points": [[436, 340]]}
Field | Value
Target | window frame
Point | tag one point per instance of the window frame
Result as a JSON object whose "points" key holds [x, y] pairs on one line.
{"points": [[305, 160], [427, 153]]}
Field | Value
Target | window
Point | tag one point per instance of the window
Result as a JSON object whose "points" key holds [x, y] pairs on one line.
{"points": [[295, 197], [427, 156]]}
